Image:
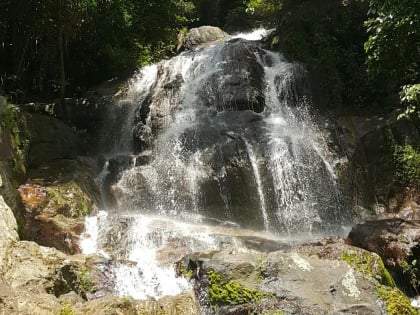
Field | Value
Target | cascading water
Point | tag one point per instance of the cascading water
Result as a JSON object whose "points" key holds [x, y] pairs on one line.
{"points": [[223, 142]]}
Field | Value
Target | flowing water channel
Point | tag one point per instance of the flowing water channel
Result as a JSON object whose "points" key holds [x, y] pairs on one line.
{"points": [[222, 171]]}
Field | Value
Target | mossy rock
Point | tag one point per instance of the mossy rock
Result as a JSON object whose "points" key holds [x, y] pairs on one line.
{"points": [[57, 196], [231, 292], [16, 126], [369, 264], [396, 302]]}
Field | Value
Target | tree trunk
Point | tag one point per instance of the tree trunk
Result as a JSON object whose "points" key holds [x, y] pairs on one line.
{"points": [[62, 69]]}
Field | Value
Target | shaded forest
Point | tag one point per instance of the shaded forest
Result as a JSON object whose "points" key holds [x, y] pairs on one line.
{"points": [[55, 49]]}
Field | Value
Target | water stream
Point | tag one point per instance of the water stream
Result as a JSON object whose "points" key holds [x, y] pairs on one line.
{"points": [[221, 169]]}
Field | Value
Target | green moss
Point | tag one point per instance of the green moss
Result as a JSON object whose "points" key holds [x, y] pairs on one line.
{"points": [[370, 264], [230, 292], [275, 313], [16, 125], [184, 271], [66, 309], [85, 283], [68, 198], [411, 269], [407, 160], [84, 207], [396, 302]]}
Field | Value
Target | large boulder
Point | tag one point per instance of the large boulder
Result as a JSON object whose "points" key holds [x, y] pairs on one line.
{"points": [[23, 302], [8, 227], [328, 277], [39, 269], [51, 139], [372, 177], [196, 37], [397, 241], [56, 198]]}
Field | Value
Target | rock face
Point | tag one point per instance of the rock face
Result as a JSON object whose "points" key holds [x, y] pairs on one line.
{"points": [[183, 304], [239, 84], [369, 143], [397, 241], [8, 227], [199, 36], [51, 139], [56, 198], [324, 278]]}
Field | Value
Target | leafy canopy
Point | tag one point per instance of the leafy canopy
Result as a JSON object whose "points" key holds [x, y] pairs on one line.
{"points": [[393, 46]]}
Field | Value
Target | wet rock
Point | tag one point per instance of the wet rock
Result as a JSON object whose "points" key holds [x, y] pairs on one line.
{"points": [[28, 266], [239, 84], [397, 241], [51, 139], [143, 137], [8, 228], [369, 177], [116, 165], [199, 36], [320, 278], [56, 198]]}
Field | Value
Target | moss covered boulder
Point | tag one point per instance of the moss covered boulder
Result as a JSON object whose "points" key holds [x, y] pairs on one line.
{"points": [[397, 241], [56, 197], [327, 277]]}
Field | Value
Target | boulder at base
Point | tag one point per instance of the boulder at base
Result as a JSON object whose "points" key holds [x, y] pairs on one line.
{"points": [[56, 197], [328, 277]]}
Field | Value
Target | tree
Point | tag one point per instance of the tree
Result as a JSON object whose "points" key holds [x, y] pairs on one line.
{"points": [[393, 46], [65, 18]]}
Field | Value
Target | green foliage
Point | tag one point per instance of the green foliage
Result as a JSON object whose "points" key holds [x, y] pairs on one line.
{"points": [[188, 274], [230, 292], [410, 98], [329, 35], [66, 309], [392, 47], [230, 15], [50, 44], [411, 270], [266, 11], [396, 302], [85, 284], [407, 160], [15, 123]]}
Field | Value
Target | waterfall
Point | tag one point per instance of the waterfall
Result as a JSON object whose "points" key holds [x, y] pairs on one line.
{"points": [[224, 148], [254, 164]]}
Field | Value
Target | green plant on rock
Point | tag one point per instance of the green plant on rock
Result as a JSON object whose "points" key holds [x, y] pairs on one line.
{"points": [[183, 271], [85, 283], [411, 270], [396, 302], [370, 265], [407, 160], [66, 309], [16, 124], [230, 292]]}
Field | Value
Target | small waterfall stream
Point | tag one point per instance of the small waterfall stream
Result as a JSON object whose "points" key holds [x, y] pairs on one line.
{"points": [[254, 164], [225, 165]]}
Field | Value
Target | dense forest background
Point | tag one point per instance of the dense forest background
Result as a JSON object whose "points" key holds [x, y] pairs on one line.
{"points": [[51, 49]]}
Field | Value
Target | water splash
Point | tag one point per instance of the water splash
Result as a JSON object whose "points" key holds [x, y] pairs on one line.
{"points": [[143, 249], [256, 34]]}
